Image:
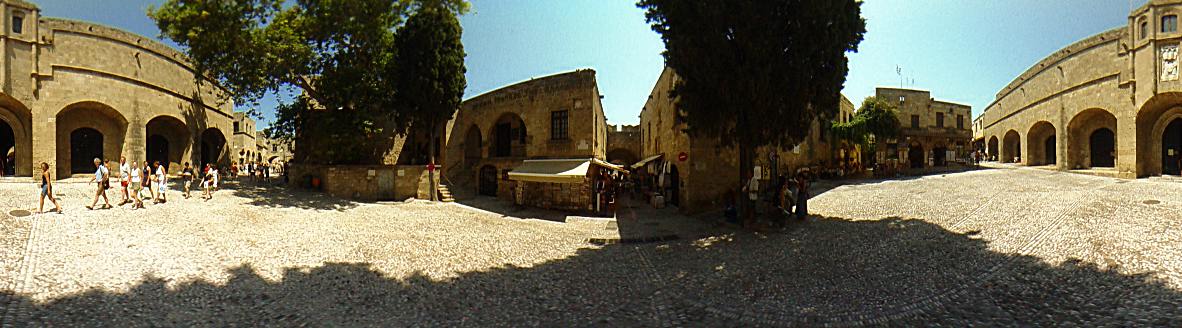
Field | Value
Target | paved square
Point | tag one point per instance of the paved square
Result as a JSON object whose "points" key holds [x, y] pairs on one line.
{"points": [[991, 247]]}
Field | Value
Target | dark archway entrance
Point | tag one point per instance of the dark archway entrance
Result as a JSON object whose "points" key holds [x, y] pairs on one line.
{"points": [[1102, 148], [940, 156], [509, 136], [213, 144], [915, 156], [157, 149], [992, 148], [7, 149], [1049, 147], [86, 144], [488, 180], [1171, 148]]}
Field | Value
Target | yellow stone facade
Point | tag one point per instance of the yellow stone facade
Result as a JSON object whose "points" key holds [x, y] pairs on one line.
{"points": [[73, 90], [1111, 101]]}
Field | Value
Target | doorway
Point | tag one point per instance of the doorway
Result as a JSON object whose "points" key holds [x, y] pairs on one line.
{"points": [[86, 144], [1050, 150], [1103, 148], [7, 149], [488, 181], [674, 186], [1171, 148], [915, 156], [157, 149], [940, 156]]}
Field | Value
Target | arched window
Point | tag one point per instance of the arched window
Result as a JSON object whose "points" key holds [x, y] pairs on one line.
{"points": [[1169, 23]]}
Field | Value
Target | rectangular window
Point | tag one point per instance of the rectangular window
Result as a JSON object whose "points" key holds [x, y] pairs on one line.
{"points": [[558, 125], [236, 127], [915, 121], [960, 121], [18, 24], [939, 120], [1144, 29], [1169, 23]]}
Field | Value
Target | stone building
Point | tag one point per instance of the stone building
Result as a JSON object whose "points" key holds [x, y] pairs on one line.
{"points": [[698, 174], [250, 145], [71, 91], [553, 117], [623, 144], [1110, 102], [933, 132]]}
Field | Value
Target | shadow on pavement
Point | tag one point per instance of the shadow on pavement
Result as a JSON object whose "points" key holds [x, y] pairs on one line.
{"points": [[508, 209], [278, 196], [827, 271]]}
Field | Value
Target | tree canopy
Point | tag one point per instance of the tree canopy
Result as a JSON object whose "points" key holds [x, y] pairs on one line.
{"points": [[875, 118], [340, 55], [753, 73]]}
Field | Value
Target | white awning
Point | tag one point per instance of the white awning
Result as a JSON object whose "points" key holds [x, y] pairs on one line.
{"points": [[551, 170], [646, 161]]}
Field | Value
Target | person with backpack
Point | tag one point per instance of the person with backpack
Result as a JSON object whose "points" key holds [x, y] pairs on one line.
{"points": [[102, 183]]}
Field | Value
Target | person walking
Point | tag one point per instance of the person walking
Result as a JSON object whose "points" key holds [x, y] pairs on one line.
{"points": [[207, 183], [161, 182], [187, 179], [136, 183], [802, 197], [147, 180], [101, 184], [124, 176], [47, 190]]}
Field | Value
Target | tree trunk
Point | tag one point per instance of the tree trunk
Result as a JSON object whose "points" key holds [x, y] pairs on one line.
{"points": [[431, 163], [746, 206]]}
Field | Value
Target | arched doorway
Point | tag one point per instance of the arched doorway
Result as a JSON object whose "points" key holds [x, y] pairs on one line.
{"points": [[1011, 150], [509, 136], [87, 130], [157, 149], [488, 180], [915, 156], [1083, 134], [1102, 149], [86, 144], [7, 149], [992, 148], [472, 146], [213, 144], [1049, 145], [1171, 148], [940, 156], [168, 141]]}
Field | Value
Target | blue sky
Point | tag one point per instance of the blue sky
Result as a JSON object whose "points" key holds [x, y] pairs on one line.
{"points": [[962, 51]]}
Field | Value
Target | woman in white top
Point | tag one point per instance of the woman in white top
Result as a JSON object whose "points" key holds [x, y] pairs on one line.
{"points": [[137, 176], [161, 181]]}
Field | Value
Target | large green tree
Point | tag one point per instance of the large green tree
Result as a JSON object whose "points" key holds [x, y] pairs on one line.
{"points": [[875, 120], [754, 73], [430, 73], [338, 55]]}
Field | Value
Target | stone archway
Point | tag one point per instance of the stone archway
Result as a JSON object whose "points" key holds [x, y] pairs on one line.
{"points": [[1011, 150], [915, 158], [508, 137], [167, 141], [1154, 136], [1081, 134], [16, 138], [1171, 148], [991, 149], [108, 125], [1041, 144], [213, 147]]}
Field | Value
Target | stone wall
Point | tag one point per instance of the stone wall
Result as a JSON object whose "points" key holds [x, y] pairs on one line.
{"points": [[710, 172], [366, 182], [623, 144], [471, 136], [576, 197], [60, 75]]}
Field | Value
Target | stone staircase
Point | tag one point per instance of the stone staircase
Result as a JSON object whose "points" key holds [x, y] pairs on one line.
{"points": [[445, 194]]}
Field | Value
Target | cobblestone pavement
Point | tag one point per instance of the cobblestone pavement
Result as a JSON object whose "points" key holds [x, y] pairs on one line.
{"points": [[1007, 247]]}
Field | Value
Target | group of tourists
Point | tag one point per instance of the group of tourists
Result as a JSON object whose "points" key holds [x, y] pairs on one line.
{"points": [[258, 172], [148, 181]]}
